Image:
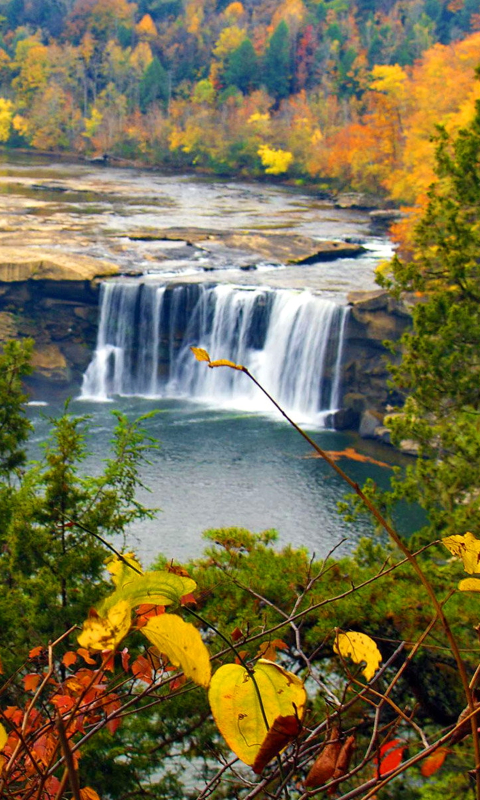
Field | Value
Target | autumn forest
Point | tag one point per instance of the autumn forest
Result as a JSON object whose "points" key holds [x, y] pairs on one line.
{"points": [[338, 94]]}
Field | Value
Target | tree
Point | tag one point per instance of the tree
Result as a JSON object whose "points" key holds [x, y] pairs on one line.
{"points": [[277, 63], [441, 356], [154, 85], [242, 69], [54, 521]]}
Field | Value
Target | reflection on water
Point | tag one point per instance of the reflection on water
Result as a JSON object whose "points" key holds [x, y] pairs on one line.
{"points": [[216, 469]]}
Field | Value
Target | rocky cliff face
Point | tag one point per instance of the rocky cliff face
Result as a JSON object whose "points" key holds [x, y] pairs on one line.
{"points": [[374, 318], [52, 298]]}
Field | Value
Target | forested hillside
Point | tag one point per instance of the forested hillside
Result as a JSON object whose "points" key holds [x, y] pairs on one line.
{"points": [[336, 93]]}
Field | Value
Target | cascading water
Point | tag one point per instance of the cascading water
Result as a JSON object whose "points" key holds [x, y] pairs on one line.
{"points": [[291, 341]]}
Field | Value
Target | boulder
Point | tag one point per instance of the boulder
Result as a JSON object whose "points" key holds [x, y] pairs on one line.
{"points": [[50, 363], [369, 422]]}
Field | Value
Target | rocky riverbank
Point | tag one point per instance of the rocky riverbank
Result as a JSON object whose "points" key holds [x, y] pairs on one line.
{"points": [[52, 298]]}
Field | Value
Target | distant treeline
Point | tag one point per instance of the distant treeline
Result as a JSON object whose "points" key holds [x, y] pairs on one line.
{"points": [[343, 93]]}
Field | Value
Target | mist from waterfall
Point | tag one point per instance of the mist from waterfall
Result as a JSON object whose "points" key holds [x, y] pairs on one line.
{"points": [[291, 341]]}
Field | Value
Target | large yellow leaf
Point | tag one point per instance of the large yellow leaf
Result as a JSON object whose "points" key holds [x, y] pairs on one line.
{"points": [[359, 647], [468, 548], [182, 644], [3, 737], [105, 633], [123, 570], [159, 588], [469, 585], [236, 707]]}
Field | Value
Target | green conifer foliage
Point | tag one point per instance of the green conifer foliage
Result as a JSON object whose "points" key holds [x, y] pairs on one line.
{"points": [[277, 63], [243, 68], [154, 86], [52, 554], [439, 371]]}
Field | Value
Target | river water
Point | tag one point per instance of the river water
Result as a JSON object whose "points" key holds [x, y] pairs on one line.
{"points": [[216, 466]]}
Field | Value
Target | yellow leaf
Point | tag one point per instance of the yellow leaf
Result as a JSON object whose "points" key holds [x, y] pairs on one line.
{"points": [[359, 647], [104, 633], [3, 737], [236, 707], [123, 570], [182, 644], [158, 588], [200, 354], [224, 363], [469, 585], [467, 547]]}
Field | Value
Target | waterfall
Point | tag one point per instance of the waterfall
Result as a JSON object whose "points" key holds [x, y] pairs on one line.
{"points": [[291, 341]]}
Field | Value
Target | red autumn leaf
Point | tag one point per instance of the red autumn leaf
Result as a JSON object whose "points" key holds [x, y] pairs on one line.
{"points": [[177, 683], [187, 598], [82, 651], [69, 658], [324, 767], [35, 651], [125, 658], [434, 761], [14, 714], [236, 634], [108, 661], [31, 681], [391, 755], [242, 654], [283, 731], [51, 787], [147, 610], [63, 702], [142, 669]]}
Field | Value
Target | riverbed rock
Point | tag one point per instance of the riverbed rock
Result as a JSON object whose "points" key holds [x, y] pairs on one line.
{"points": [[19, 264], [369, 423], [358, 200], [282, 248]]}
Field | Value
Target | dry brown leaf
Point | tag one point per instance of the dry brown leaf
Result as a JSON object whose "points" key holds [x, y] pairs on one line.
{"points": [[324, 767], [282, 732]]}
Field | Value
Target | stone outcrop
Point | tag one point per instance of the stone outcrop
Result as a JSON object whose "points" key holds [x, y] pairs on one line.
{"points": [[375, 317], [53, 298], [19, 264], [281, 248]]}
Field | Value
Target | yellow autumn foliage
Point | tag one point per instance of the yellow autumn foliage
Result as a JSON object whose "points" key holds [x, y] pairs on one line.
{"points": [[234, 699], [359, 647], [6, 118], [105, 633], [181, 642], [275, 161]]}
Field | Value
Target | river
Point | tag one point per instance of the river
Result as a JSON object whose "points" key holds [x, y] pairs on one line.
{"points": [[218, 464]]}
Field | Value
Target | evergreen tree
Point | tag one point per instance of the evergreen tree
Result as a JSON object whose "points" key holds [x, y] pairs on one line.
{"points": [[154, 86], [277, 63], [243, 68], [440, 366], [55, 524]]}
